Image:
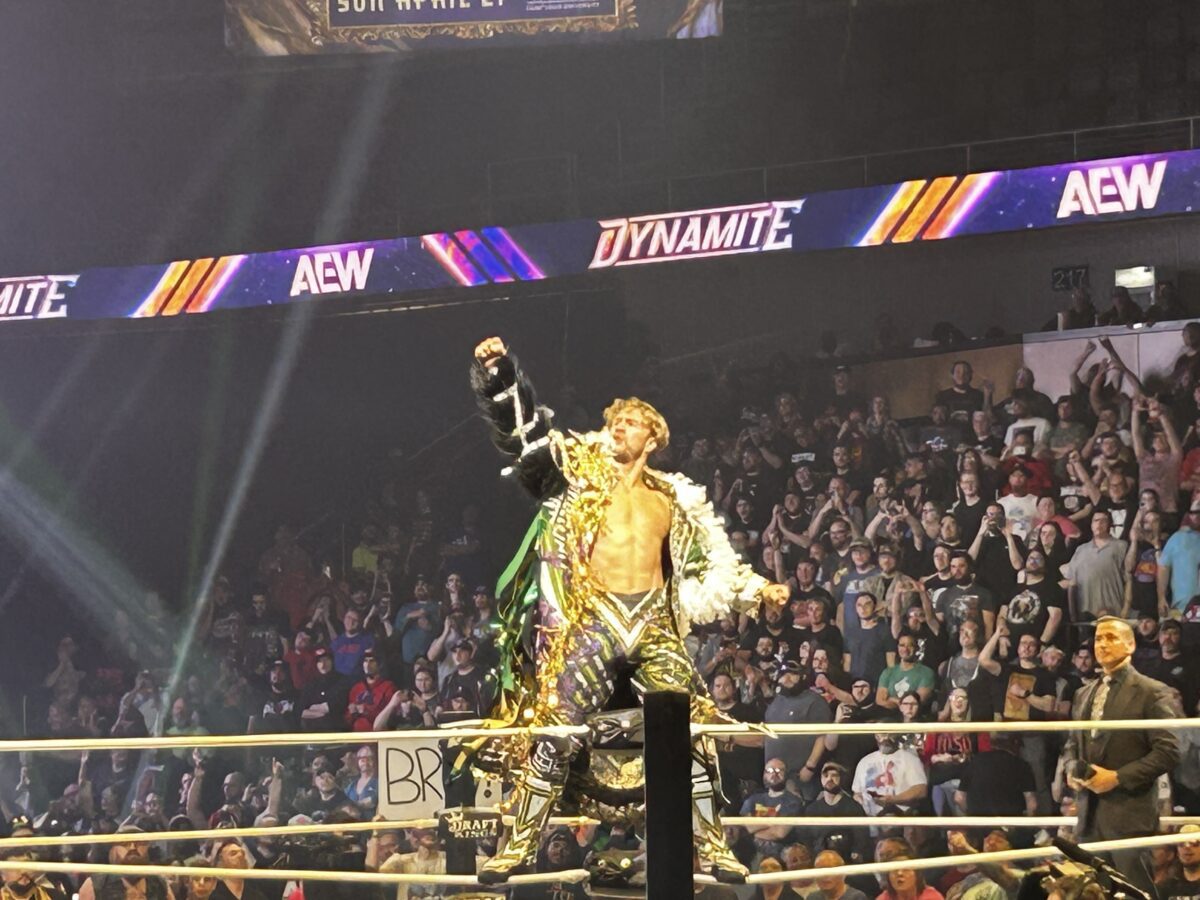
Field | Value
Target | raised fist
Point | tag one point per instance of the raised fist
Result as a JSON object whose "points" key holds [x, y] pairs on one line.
{"points": [[490, 350]]}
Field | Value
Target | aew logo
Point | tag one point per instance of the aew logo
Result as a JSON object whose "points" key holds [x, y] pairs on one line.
{"points": [[753, 228], [332, 272], [1112, 189], [35, 297]]}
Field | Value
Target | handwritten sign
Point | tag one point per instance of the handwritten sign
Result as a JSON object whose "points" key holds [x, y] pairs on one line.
{"points": [[410, 779]]}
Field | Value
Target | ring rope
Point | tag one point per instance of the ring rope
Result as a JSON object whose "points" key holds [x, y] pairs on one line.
{"points": [[1053, 725], [948, 822], [190, 741], [36, 865], [210, 834], [943, 862]]}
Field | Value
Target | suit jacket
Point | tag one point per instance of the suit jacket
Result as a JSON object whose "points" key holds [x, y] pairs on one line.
{"points": [[1138, 757]]}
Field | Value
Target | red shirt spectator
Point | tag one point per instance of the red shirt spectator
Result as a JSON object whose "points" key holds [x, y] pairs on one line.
{"points": [[368, 697]]}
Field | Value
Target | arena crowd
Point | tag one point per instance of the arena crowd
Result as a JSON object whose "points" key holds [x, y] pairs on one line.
{"points": [[947, 568]]}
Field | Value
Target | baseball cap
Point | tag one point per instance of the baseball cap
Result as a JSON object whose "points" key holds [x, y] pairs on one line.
{"points": [[279, 664], [369, 653], [885, 549], [465, 643], [324, 769], [321, 652], [788, 667], [860, 542]]}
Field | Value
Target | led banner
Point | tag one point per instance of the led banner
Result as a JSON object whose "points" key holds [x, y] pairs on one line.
{"points": [[283, 27], [919, 210]]}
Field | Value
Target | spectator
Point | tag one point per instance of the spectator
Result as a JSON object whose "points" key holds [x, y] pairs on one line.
{"points": [[1023, 419], [795, 704], [1179, 563], [323, 701], [231, 853], [428, 858], [997, 782], [368, 696], [833, 887], [364, 790], [348, 647], [466, 678], [907, 675], [965, 600], [1124, 311], [846, 584], [1146, 544], [1174, 666], [889, 780], [946, 753], [1026, 692], [132, 852], [834, 801], [1158, 463], [1081, 314], [1096, 572], [870, 648], [278, 713], [1037, 606], [773, 890], [1187, 883], [774, 800], [961, 399], [907, 884]]}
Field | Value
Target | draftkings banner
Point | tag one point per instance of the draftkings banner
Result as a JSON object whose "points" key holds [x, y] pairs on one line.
{"points": [[283, 27]]}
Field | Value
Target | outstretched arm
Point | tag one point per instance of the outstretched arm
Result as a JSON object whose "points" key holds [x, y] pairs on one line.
{"points": [[520, 427]]}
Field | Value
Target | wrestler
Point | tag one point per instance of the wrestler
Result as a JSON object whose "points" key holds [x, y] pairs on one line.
{"points": [[589, 595]]}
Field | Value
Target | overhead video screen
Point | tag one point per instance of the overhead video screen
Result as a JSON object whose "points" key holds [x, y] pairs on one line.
{"points": [[286, 27]]}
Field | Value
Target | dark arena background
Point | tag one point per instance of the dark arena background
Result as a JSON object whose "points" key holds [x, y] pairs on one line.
{"points": [[913, 283]]}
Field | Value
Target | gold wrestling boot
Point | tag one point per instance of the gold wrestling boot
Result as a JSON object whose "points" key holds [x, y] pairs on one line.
{"points": [[716, 858], [538, 799]]}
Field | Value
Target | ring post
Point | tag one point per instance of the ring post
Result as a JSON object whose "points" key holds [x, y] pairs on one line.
{"points": [[668, 765]]}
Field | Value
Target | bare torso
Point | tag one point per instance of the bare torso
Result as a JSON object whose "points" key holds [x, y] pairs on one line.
{"points": [[627, 557]]}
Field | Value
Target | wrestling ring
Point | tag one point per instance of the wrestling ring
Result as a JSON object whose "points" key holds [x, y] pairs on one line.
{"points": [[666, 733]]}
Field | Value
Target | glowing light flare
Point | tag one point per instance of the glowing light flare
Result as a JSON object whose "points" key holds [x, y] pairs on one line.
{"points": [[513, 254], [482, 254], [452, 259], [925, 208], [224, 270], [896, 207], [959, 206], [194, 278], [163, 290]]}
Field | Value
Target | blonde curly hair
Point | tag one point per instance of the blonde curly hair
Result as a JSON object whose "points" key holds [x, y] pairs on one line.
{"points": [[659, 433]]}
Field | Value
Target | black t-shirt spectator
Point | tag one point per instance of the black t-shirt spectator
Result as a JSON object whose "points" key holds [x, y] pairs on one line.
{"points": [[1122, 514], [1029, 609], [828, 637], [1178, 887], [931, 649], [788, 635], [966, 401], [993, 568], [969, 518], [278, 711], [994, 782], [1037, 680]]}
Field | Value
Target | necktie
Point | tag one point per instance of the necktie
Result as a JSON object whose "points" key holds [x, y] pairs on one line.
{"points": [[1098, 701]]}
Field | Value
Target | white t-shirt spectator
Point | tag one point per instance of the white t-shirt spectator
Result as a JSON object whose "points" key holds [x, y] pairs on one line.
{"points": [[1039, 425], [1021, 511], [886, 774]]}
